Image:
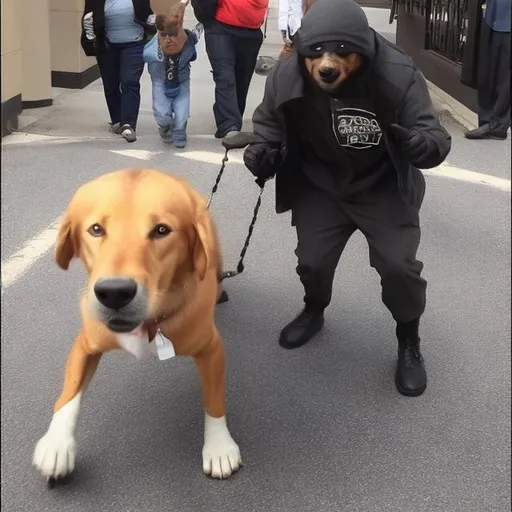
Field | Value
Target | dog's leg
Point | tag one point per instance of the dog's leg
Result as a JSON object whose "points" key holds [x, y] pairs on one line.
{"points": [[54, 455], [221, 455]]}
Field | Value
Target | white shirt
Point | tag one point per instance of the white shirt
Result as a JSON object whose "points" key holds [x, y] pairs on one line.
{"points": [[289, 16]]}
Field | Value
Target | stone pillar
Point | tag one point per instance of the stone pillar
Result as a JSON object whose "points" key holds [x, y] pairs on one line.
{"points": [[37, 86], [12, 67], [70, 67]]}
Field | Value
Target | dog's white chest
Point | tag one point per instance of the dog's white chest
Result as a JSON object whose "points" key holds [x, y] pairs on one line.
{"points": [[137, 344]]}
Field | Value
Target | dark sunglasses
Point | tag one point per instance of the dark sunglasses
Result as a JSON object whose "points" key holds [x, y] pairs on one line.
{"points": [[317, 50], [168, 33]]}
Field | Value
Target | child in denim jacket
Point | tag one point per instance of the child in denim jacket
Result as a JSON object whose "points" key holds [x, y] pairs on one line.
{"points": [[169, 54]]}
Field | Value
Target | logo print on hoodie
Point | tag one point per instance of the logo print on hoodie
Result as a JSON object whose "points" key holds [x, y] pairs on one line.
{"points": [[356, 128]]}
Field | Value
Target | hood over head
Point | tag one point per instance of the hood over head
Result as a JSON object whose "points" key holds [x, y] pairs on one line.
{"points": [[335, 21]]}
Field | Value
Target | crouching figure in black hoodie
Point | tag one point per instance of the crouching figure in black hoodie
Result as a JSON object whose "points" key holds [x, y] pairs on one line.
{"points": [[347, 122]]}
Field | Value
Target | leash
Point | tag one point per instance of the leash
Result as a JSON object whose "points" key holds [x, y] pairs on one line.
{"points": [[240, 265]]}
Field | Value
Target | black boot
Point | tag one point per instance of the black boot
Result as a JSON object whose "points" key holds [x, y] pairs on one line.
{"points": [[410, 376], [302, 329]]}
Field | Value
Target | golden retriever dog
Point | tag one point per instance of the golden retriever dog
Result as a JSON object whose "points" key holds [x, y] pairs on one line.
{"points": [[150, 249]]}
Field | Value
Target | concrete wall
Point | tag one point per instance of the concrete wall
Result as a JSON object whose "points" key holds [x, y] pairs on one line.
{"points": [[12, 64], [69, 65], [36, 77]]}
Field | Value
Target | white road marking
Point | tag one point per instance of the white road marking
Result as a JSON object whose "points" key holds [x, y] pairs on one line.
{"points": [[456, 173], [141, 154], [209, 157], [15, 266], [19, 263]]}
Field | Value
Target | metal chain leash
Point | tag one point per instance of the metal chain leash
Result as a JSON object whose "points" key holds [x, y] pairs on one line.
{"points": [[240, 266]]}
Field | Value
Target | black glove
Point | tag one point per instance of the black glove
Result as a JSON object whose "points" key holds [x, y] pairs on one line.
{"points": [[262, 159], [413, 143]]}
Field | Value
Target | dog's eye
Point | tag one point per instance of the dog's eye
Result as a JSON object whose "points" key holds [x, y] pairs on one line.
{"points": [[318, 48], [96, 230], [159, 231]]}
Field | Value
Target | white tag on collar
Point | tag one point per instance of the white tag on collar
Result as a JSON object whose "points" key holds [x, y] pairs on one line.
{"points": [[164, 347]]}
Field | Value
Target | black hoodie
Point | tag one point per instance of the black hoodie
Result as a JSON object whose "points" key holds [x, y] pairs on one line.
{"points": [[341, 149], [391, 90]]}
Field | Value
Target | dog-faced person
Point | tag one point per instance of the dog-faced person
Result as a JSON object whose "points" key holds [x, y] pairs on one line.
{"points": [[169, 56], [348, 122]]}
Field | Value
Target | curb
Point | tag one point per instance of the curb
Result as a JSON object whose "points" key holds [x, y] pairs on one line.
{"points": [[448, 107]]}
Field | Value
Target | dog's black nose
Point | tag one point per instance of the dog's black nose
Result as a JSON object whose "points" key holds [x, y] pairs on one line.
{"points": [[115, 292], [328, 75]]}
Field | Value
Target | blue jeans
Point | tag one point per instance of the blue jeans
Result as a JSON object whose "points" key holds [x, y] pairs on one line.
{"points": [[121, 67], [172, 112]]}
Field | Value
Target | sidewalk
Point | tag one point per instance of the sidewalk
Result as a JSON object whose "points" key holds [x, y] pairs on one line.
{"points": [[83, 113]]}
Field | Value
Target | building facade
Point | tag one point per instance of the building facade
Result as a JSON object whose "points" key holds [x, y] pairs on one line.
{"points": [[40, 50]]}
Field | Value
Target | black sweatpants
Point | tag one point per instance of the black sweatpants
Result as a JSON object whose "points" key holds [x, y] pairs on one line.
{"points": [[494, 79], [233, 53], [391, 227]]}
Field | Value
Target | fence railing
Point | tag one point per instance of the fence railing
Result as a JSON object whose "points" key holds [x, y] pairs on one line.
{"points": [[446, 25]]}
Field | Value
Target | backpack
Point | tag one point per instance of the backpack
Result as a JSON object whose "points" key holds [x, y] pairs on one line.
{"points": [[204, 10]]}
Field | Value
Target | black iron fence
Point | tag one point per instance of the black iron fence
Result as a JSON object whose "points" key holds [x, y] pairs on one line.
{"points": [[446, 25]]}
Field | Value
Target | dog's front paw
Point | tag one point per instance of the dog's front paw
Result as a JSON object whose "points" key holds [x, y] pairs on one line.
{"points": [[54, 455], [221, 455]]}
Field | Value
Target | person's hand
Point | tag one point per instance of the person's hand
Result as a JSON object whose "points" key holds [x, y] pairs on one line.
{"points": [[413, 143], [262, 159], [89, 27]]}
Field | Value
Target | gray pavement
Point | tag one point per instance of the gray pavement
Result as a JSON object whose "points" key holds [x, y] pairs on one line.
{"points": [[322, 428]]}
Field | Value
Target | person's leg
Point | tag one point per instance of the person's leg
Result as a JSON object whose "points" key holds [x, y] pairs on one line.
{"points": [[220, 49], [132, 66], [485, 82], [109, 63], [493, 90], [392, 229], [500, 119], [247, 50], [181, 113], [160, 103], [322, 231]]}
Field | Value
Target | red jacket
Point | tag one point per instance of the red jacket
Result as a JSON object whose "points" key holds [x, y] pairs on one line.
{"points": [[242, 13]]}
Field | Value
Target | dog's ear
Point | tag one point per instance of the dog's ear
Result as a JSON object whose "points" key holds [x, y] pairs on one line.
{"points": [[65, 249], [204, 247]]}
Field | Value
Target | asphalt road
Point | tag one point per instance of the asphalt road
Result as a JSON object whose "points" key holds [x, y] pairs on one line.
{"points": [[321, 428]]}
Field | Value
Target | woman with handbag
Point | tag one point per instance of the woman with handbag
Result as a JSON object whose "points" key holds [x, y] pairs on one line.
{"points": [[115, 32]]}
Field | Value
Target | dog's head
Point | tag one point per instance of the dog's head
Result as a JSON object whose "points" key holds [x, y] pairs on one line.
{"points": [[334, 41], [329, 65], [171, 34], [141, 235]]}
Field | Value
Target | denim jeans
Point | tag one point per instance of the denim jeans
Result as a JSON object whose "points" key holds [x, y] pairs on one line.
{"points": [[174, 111], [121, 67], [232, 54]]}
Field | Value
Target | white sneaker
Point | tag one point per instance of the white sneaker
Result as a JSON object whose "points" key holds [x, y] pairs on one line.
{"points": [[128, 133]]}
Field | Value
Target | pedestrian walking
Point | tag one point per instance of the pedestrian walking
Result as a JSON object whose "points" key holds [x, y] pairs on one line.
{"points": [[169, 55], [115, 32], [290, 14], [346, 122], [233, 38], [494, 73]]}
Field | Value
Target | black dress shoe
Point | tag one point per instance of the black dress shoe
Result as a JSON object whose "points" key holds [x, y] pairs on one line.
{"points": [[299, 331], [485, 132], [410, 376]]}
